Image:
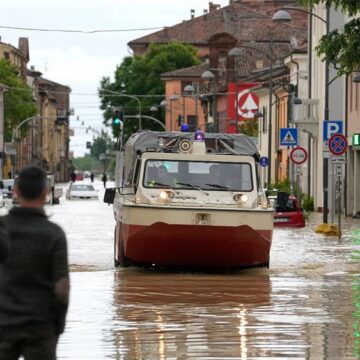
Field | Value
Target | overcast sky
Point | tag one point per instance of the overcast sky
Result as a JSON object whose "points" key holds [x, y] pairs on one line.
{"points": [[81, 60]]}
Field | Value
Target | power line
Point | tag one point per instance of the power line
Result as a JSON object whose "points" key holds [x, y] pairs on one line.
{"points": [[79, 31]]}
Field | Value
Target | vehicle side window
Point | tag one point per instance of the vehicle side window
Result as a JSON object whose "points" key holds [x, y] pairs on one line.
{"points": [[136, 174]]}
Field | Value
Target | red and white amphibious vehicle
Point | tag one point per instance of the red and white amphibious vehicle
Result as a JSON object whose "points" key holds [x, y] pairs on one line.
{"points": [[190, 200]]}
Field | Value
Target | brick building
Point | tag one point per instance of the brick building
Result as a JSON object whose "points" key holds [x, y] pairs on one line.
{"points": [[243, 23]]}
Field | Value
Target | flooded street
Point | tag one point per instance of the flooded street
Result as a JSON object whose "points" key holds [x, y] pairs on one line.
{"points": [[306, 306]]}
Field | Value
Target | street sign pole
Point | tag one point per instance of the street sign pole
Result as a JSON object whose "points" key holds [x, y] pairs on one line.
{"points": [[337, 146]]}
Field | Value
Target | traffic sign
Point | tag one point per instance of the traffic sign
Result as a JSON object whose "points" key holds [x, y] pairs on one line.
{"points": [[332, 127], [337, 144], [288, 136], [298, 155], [264, 161]]}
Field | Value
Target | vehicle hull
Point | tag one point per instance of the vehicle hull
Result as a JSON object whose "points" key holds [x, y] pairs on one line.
{"points": [[167, 241]]}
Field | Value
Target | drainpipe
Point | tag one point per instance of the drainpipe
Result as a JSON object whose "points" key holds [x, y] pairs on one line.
{"points": [[297, 75], [346, 134]]}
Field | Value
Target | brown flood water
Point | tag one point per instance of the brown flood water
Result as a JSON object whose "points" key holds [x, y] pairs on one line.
{"points": [[306, 306]]}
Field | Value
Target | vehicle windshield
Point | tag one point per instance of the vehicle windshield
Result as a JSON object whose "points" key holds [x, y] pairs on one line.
{"points": [[195, 175], [78, 187], [290, 206], [8, 182]]}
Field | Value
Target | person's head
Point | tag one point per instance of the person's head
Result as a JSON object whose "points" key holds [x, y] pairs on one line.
{"points": [[214, 172], [162, 172], [31, 185]]}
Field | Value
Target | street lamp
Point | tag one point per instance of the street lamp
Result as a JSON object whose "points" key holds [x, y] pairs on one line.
{"points": [[209, 76], [283, 16], [236, 52], [164, 103], [130, 97], [15, 131], [189, 90], [356, 78]]}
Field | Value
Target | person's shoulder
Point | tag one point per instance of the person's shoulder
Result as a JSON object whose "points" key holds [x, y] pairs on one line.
{"points": [[55, 229]]}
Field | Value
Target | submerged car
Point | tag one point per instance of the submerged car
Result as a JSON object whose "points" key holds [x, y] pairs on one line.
{"points": [[7, 186], [81, 191], [288, 212]]}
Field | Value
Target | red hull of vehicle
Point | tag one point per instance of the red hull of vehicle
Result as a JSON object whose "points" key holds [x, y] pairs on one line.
{"points": [[196, 245]]}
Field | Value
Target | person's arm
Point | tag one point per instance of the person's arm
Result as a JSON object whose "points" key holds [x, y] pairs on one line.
{"points": [[4, 242], [61, 282]]}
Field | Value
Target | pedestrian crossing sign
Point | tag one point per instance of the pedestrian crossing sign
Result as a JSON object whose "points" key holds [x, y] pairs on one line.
{"points": [[288, 137]]}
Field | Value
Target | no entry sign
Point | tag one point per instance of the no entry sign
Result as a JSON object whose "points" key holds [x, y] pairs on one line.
{"points": [[337, 144], [298, 155]]}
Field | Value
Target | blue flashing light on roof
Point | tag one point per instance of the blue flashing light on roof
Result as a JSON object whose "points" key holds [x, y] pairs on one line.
{"points": [[199, 135], [184, 128]]}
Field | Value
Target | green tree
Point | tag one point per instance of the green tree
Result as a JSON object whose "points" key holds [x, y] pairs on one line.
{"points": [[249, 127], [18, 101], [140, 75], [101, 145], [341, 47]]}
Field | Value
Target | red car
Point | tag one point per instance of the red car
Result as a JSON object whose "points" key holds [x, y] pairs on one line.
{"points": [[288, 212]]}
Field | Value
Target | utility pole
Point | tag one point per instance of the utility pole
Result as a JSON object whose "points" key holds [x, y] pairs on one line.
{"points": [[2, 120]]}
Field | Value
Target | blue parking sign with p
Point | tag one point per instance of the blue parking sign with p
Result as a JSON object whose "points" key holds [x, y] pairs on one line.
{"points": [[332, 127]]}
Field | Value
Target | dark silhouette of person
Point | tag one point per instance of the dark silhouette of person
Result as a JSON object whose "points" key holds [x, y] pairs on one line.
{"points": [[104, 179], [215, 174], [92, 177], [34, 281], [4, 242], [73, 177]]}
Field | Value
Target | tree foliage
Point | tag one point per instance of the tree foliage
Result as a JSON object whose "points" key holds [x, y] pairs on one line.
{"points": [[18, 101], [341, 47], [101, 145], [140, 75], [249, 127]]}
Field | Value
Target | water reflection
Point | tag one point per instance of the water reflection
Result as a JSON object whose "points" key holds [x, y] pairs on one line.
{"points": [[185, 315], [305, 306], [356, 296]]}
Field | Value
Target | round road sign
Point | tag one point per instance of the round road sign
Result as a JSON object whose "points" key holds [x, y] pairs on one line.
{"points": [[337, 144], [264, 161], [298, 155]]}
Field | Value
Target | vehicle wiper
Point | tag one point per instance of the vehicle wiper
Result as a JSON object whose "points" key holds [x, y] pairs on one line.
{"points": [[153, 182], [222, 187], [194, 187]]}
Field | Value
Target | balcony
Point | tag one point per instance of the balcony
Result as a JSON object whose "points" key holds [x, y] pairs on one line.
{"points": [[306, 116]]}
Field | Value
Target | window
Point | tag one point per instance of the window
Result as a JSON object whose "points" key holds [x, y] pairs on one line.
{"points": [[187, 175], [6, 55], [192, 122]]}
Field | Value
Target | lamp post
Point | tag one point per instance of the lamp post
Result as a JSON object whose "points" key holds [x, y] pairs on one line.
{"points": [[147, 117], [16, 129], [356, 78], [209, 76], [189, 90], [164, 103], [130, 97], [283, 16], [236, 52]]}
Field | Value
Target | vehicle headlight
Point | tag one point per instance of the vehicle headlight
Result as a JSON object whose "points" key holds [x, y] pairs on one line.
{"points": [[241, 198], [166, 195]]}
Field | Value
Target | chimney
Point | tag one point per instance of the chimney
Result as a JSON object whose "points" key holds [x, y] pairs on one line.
{"points": [[259, 64], [24, 46], [205, 11], [32, 67], [213, 7], [192, 13]]}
